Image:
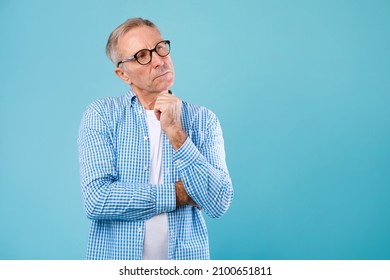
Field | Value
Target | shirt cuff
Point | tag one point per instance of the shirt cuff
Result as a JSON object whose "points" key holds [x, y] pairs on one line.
{"points": [[165, 198], [186, 155]]}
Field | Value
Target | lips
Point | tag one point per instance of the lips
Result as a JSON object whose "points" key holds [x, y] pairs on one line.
{"points": [[163, 74]]}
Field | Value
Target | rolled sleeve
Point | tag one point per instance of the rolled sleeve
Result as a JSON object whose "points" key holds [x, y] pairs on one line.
{"points": [[165, 198], [186, 155]]}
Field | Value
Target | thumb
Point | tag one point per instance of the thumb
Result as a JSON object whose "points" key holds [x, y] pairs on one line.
{"points": [[157, 113]]}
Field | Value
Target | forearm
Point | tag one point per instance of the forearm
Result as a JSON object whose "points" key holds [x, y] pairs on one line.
{"points": [[207, 184], [105, 200], [177, 137], [105, 196]]}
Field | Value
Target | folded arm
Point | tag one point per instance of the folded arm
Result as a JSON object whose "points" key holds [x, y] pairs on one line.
{"points": [[203, 171], [104, 196]]}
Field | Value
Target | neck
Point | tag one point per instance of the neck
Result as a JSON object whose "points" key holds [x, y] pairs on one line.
{"points": [[148, 99]]}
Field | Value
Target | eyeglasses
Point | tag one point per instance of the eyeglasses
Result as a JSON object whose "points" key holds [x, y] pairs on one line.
{"points": [[144, 56]]}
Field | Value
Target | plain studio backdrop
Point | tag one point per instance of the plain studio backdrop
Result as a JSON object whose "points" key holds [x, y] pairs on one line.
{"points": [[301, 88]]}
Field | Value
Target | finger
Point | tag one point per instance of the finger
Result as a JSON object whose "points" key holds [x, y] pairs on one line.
{"points": [[167, 97], [196, 205], [157, 113]]}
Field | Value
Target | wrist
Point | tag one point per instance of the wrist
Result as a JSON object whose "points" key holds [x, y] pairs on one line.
{"points": [[176, 136]]}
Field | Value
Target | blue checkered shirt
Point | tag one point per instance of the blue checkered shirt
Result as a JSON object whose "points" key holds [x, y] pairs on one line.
{"points": [[114, 155]]}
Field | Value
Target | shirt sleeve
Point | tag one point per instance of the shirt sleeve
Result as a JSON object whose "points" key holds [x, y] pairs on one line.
{"points": [[204, 172], [104, 196]]}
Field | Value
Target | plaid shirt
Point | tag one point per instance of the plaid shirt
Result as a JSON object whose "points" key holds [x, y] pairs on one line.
{"points": [[114, 155]]}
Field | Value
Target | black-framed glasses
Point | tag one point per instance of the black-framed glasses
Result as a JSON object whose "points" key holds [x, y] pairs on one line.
{"points": [[144, 56]]}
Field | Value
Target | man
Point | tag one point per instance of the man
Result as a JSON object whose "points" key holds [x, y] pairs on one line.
{"points": [[149, 162]]}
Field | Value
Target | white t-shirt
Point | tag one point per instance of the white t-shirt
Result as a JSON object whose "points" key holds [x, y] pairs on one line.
{"points": [[156, 232]]}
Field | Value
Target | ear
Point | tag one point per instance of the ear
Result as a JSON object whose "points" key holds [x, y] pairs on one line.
{"points": [[122, 75]]}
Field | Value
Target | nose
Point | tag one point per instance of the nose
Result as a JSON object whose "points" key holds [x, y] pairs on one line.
{"points": [[157, 60]]}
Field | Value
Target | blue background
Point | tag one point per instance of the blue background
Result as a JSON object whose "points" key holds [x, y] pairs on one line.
{"points": [[302, 90]]}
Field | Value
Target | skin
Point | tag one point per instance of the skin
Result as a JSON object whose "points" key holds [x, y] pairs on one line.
{"points": [[150, 83]]}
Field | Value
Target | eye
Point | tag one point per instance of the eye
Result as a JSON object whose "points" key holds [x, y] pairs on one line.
{"points": [[162, 48], [142, 54]]}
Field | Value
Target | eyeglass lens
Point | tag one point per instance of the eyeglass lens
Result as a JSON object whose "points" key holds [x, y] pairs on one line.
{"points": [[145, 56]]}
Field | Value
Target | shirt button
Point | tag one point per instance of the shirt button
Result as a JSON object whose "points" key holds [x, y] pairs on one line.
{"points": [[146, 138], [178, 161], [139, 229], [146, 167]]}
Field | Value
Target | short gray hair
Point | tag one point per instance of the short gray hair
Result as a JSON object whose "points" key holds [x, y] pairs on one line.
{"points": [[112, 43]]}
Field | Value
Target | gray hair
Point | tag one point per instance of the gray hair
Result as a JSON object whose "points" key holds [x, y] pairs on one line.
{"points": [[112, 43]]}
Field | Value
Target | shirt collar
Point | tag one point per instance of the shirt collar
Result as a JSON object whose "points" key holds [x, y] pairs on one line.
{"points": [[132, 96]]}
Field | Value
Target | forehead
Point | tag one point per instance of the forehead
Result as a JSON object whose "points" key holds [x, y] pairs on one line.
{"points": [[142, 37]]}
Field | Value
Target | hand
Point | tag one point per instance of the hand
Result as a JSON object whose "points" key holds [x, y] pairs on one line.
{"points": [[167, 108], [168, 111], [182, 198]]}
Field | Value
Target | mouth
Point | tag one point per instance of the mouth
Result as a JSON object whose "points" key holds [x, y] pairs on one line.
{"points": [[162, 75]]}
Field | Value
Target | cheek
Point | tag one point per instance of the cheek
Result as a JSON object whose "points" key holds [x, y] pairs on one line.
{"points": [[171, 76], [170, 63], [139, 76]]}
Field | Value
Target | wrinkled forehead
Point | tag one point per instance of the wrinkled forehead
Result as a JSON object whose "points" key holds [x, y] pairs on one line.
{"points": [[137, 38]]}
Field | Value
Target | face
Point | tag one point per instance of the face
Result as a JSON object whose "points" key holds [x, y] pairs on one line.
{"points": [[155, 77]]}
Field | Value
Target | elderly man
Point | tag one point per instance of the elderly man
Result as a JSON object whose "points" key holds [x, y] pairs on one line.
{"points": [[149, 162]]}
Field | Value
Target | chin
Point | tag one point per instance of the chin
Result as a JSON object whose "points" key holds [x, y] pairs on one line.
{"points": [[167, 85]]}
